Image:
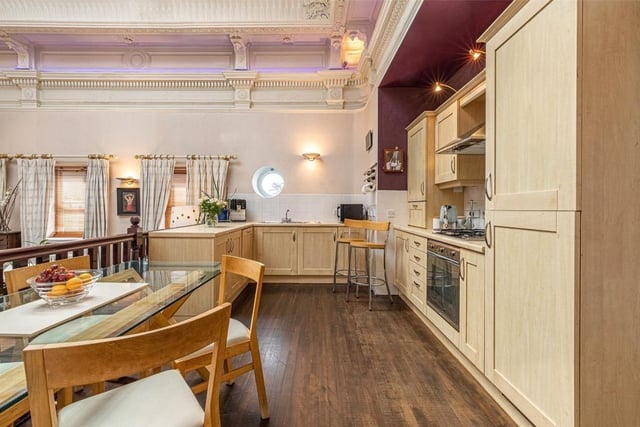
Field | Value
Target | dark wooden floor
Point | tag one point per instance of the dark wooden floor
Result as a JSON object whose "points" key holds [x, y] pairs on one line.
{"points": [[332, 363]]}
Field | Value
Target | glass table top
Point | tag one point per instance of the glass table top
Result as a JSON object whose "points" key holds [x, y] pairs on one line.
{"points": [[154, 288]]}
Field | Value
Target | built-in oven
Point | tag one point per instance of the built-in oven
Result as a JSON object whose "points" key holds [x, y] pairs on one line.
{"points": [[443, 281]]}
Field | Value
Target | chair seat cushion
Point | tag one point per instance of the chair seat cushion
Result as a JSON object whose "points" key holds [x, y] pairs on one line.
{"points": [[160, 400], [237, 333]]}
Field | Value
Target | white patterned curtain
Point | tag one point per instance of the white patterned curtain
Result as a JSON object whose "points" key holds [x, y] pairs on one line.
{"points": [[37, 190], [155, 181], [3, 176], [96, 199], [206, 175]]}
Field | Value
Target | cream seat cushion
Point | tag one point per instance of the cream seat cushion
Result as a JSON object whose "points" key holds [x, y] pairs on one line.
{"points": [[236, 334], [160, 400]]}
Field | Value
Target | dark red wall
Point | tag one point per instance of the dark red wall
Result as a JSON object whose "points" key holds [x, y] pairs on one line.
{"points": [[397, 107]]}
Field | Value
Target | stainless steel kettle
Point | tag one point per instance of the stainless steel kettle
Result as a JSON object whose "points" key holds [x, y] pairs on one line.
{"points": [[448, 216]]}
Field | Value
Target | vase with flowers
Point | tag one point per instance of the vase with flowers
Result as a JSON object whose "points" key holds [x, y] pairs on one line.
{"points": [[210, 207]]}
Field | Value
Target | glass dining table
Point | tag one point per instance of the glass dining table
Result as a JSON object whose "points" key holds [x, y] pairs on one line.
{"points": [[130, 297]]}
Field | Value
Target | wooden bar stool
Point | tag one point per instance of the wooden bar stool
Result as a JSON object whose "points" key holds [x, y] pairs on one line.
{"points": [[377, 235], [354, 231]]}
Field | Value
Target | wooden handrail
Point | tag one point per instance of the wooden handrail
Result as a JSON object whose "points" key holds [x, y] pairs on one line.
{"points": [[103, 251]]}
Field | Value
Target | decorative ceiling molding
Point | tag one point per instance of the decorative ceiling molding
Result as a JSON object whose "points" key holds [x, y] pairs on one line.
{"points": [[119, 13], [339, 89], [285, 54], [22, 50]]}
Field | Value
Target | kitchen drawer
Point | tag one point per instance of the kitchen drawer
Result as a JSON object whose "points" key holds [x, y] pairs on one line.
{"points": [[417, 256], [418, 291], [418, 243], [417, 271]]}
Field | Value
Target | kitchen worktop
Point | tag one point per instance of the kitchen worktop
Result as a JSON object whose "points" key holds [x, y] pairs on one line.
{"points": [[472, 245], [202, 230]]}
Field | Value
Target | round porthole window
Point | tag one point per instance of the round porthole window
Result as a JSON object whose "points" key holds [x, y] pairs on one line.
{"points": [[267, 182]]}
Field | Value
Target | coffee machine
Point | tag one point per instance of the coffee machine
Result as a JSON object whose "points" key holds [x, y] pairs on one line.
{"points": [[237, 210]]}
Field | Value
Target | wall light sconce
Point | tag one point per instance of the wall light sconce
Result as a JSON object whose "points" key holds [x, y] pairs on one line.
{"points": [[311, 156], [476, 54], [439, 87], [128, 181]]}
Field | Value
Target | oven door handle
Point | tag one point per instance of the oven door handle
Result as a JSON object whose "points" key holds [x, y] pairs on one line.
{"points": [[444, 258]]}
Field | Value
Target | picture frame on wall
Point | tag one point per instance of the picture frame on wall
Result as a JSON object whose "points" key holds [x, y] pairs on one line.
{"points": [[393, 160], [368, 140], [128, 201]]}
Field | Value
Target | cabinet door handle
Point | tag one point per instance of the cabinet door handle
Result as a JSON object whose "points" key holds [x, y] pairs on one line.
{"points": [[416, 284], [461, 270], [422, 188], [417, 258], [334, 236], [294, 236], [416, 272], [416, 243], [453, 165], [406, 245], [488, 191], [487, 234]]}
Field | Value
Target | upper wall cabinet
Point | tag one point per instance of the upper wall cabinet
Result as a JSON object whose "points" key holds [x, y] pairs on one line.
{"points": [[460, 130]]}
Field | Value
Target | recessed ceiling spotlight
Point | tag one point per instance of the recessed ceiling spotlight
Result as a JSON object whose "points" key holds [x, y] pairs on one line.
{"points": [[475, 54]]}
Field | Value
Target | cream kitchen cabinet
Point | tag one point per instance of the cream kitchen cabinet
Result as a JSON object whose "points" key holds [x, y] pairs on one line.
{"points": [[464, 112], [424, 197], [417, 179], [471, 341], [231, 244], [277, 249], [198, 244], [247, 242], [296, 251], [562, 153], [401, 278]]}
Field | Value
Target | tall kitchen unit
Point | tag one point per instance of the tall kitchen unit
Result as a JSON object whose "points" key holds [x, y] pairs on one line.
{"points": [[562, 173]]}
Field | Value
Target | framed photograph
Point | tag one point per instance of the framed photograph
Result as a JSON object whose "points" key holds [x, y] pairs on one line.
{"points": [[128, 201], [368, 140], [393, 160]]}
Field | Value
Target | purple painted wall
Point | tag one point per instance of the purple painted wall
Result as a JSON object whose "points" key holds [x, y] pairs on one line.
{"points": [[397, 107]]}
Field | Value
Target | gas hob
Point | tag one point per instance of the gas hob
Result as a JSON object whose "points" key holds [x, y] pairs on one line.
{"points": [[462, 233]]}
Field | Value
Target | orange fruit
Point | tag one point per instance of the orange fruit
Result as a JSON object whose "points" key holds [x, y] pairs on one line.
{"points": [[85, 277], [74, 284], [57, 290]]}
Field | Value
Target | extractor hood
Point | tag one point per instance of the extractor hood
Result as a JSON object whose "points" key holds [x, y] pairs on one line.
{"points": [[471, 142]]}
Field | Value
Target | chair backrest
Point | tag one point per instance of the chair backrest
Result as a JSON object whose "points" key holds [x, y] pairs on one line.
{"points": [[128, 275], [16, 279], [354, 228], [50, 367], [377, 231], [252, 270]]}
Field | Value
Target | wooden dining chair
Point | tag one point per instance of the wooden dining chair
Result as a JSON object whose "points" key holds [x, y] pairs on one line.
{"points": [[240, 338], [163, 399], [16, 279]]}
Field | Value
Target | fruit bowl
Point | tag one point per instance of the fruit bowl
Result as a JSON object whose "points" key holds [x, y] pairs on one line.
{"points": [[67, 287]]}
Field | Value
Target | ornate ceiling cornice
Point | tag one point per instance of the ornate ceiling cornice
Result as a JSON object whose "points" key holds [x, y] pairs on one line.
{"points": [[239, 87]]}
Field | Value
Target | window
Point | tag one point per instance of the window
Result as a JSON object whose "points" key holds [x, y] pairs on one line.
{"points": [[178, 194], [69, 201]]}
